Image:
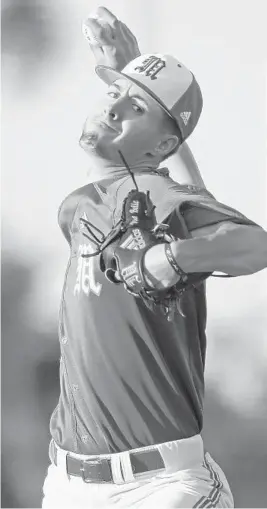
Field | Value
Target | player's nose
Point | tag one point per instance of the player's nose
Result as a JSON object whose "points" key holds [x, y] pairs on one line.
{"points": [[112, 114], [114, 111]]}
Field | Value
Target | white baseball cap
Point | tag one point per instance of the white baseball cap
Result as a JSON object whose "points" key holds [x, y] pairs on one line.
{"points": [[168, 81]]}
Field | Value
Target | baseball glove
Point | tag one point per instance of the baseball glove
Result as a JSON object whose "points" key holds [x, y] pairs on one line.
{"points": [[122, 254]]}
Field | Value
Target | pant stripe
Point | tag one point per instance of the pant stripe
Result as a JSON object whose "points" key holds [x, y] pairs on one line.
{"points": [[215, 492]]}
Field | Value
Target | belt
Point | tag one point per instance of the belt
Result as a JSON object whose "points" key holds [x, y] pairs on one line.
{"points": [[98, 470]]}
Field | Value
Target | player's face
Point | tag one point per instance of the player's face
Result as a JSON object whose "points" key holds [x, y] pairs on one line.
{"points": [[129, 120]]}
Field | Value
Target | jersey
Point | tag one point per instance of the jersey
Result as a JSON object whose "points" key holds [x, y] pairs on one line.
{"points": [[128, 377]]}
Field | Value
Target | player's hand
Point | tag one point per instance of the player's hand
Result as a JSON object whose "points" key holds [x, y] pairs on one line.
{"points": [[111, 41]]}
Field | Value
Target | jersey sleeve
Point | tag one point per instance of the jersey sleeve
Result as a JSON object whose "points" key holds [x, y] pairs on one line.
{"points": [[202, 209], [66, 212], [198, 216]]}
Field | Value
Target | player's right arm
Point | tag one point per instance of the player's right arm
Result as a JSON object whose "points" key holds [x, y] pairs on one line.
{"points": [[184, 169]]}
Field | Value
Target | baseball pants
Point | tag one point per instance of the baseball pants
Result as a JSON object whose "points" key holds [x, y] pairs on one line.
{"points": [[191, 479]]}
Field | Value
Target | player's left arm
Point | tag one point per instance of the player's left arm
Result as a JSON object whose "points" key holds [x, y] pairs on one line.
{"points": [[227, 247]]}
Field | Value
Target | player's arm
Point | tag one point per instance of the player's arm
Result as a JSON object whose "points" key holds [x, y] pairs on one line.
{"points": [[112, 43], [183, 167], [228, 247]]}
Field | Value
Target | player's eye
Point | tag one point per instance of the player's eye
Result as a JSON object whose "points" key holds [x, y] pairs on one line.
{"points": [[113, 94], [137, 108]]}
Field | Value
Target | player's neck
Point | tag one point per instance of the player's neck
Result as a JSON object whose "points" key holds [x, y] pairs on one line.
{"points": [[102, 169]]}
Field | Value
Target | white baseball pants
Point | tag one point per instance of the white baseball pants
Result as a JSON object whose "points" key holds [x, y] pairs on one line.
{"points": [[191, 479]]}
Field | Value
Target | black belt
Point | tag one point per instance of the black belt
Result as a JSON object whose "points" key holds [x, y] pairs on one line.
{"points": [[98, 470]]}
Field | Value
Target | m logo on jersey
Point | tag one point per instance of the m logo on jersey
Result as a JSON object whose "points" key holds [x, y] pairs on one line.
{"points": [[151, 66], [85, 272]]}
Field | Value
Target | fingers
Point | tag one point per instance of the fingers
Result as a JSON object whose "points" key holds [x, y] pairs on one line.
{"points": [[119, 26], [111, 41], [117, 276], [106, 15], [128, 34], [96, 34], [98, 53], [131, 42]]}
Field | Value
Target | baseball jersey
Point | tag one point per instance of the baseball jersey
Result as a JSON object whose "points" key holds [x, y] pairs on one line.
{"points": [[128, 377]]}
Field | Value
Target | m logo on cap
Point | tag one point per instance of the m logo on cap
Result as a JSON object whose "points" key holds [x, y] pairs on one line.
{"points": [[151, 66]]}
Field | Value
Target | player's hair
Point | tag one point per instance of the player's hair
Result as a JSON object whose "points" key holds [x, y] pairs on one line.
{"points": [[170, 127]]}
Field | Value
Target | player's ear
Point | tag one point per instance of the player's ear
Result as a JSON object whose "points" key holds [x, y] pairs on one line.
{"points": [[167, 145]]}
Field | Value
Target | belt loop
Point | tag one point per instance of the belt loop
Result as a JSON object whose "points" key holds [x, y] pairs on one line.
{"points": [[126, 466], [116, 469], [61, 460]]}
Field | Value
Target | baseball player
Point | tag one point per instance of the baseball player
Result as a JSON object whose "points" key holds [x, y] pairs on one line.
{"points": [[127, 428]]}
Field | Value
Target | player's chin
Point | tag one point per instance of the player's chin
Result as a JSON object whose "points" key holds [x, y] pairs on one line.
{"points": [[94, 145], [88, 141]]}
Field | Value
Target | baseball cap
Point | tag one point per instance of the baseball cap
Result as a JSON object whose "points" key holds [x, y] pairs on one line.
{"points": [[168, 82]]}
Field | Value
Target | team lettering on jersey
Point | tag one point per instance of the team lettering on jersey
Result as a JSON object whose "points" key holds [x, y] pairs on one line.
{"points": [[151, 66], [85, 272]]}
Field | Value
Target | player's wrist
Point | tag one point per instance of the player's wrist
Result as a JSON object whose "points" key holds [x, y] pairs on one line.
{"points": [[172, 260]]}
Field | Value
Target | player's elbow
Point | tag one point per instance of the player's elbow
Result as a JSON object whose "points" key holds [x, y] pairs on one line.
{"points": [[256, 255]]}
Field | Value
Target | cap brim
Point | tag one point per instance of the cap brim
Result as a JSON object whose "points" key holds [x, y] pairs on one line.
{"points": [[109, 75]]}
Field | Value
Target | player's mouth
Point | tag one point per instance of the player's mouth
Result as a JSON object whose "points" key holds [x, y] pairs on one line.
{"points": [[106, 126]]}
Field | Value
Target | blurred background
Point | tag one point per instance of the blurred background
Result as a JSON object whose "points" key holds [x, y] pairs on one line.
{"points": [[48, 88]]}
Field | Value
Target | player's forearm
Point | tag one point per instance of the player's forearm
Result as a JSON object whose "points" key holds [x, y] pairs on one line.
{"points": [[233, 249], [183, 167]]}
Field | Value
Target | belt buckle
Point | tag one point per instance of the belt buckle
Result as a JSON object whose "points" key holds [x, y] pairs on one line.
{"points": [[93, 462]]}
